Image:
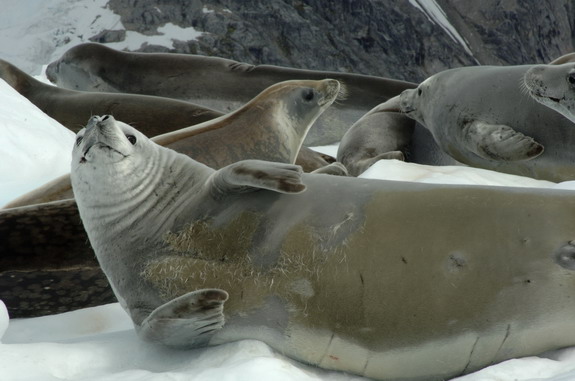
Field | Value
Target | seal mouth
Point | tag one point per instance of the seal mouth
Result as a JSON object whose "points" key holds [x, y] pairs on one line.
{"points": [[556, 100], [101, 145], [538, 95]]}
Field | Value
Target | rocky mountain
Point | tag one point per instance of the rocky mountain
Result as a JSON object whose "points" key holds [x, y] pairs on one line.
{"points": [[403, 39]]}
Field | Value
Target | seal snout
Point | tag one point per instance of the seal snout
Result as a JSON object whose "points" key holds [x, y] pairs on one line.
{"points": [[331, 91], [52, 71], [406, 105], [105, 133]]}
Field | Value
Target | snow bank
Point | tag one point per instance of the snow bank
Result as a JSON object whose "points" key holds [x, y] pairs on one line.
{"points": [[34, 148]]}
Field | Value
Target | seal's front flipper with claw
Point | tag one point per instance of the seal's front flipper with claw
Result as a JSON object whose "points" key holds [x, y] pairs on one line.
{"points": [[188, 321], [499, 142], [250, 175]]}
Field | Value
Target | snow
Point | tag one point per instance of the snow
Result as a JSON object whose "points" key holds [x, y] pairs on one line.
{"points": [[168, 33], [51, 27], [436, 15], [99, 344], [34, 148]]}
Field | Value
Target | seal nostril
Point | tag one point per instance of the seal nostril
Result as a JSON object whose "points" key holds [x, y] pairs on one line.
{"points": [[105, 117], [308, 94]]}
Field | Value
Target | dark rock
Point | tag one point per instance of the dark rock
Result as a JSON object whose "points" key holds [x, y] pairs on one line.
{"points": [[384, 38], [106, 36]]}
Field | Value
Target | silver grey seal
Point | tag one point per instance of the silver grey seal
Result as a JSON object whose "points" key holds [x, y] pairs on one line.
{"points": [[483, 117], [391, 280]]}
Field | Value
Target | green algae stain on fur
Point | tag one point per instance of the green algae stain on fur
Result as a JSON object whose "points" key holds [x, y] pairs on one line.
{"points": [[207, 256]]}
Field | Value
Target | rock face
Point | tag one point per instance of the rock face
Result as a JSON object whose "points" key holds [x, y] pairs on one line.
{"points": [[407, 40]]}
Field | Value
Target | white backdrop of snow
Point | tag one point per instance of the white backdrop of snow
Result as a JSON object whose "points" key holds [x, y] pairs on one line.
{"points": [[36, 32]]}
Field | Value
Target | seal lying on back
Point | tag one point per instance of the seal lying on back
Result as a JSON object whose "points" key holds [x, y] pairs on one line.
{"points": [[217, 83], [466, 277], [483, 117], [272, 126]]}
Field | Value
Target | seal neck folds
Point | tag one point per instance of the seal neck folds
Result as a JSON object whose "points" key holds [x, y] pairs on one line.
{"points": [[130, 174]]}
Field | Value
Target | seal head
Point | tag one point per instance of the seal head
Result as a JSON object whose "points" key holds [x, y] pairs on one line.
{"points": [[553, 86]]}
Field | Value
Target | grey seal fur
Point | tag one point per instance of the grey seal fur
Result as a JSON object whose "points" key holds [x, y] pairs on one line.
{"points": [[384, 133], [151, 115], [460, 278], [217, 83], [483, 117]]}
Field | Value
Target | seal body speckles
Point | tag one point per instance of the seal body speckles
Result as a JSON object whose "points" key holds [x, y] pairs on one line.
{"points": [[390, 280]]}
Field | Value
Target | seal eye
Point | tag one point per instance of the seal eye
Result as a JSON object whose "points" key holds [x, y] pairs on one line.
{"points": [[419, 91], [131, 139], [79, 140], [571, 78], [308, 94]]}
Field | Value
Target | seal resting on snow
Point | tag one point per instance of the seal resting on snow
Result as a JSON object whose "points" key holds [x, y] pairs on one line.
{"points": [[482, 116], [390, 280]]}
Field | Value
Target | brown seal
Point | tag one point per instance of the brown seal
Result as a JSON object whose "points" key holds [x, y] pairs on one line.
{"points": [[389, 280], [218, 83], [271, 126]]}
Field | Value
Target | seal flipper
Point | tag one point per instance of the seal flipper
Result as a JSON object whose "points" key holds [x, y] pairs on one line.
{"points": [[187, 321], [251, 175], [334, 169], [499, 142]]}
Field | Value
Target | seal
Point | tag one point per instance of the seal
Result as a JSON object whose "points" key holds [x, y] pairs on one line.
{"points": [[554, 87], [384, 133], [566, 58], [47, 265], [272, 126], [151, 115], [214, 82], [496, 126], [314, 266]]}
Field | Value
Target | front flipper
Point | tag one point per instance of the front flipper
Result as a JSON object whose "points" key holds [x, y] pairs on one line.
{"points": [[188, 321], [250, 175], [363, 165], [499, 142], [334, 169]]}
